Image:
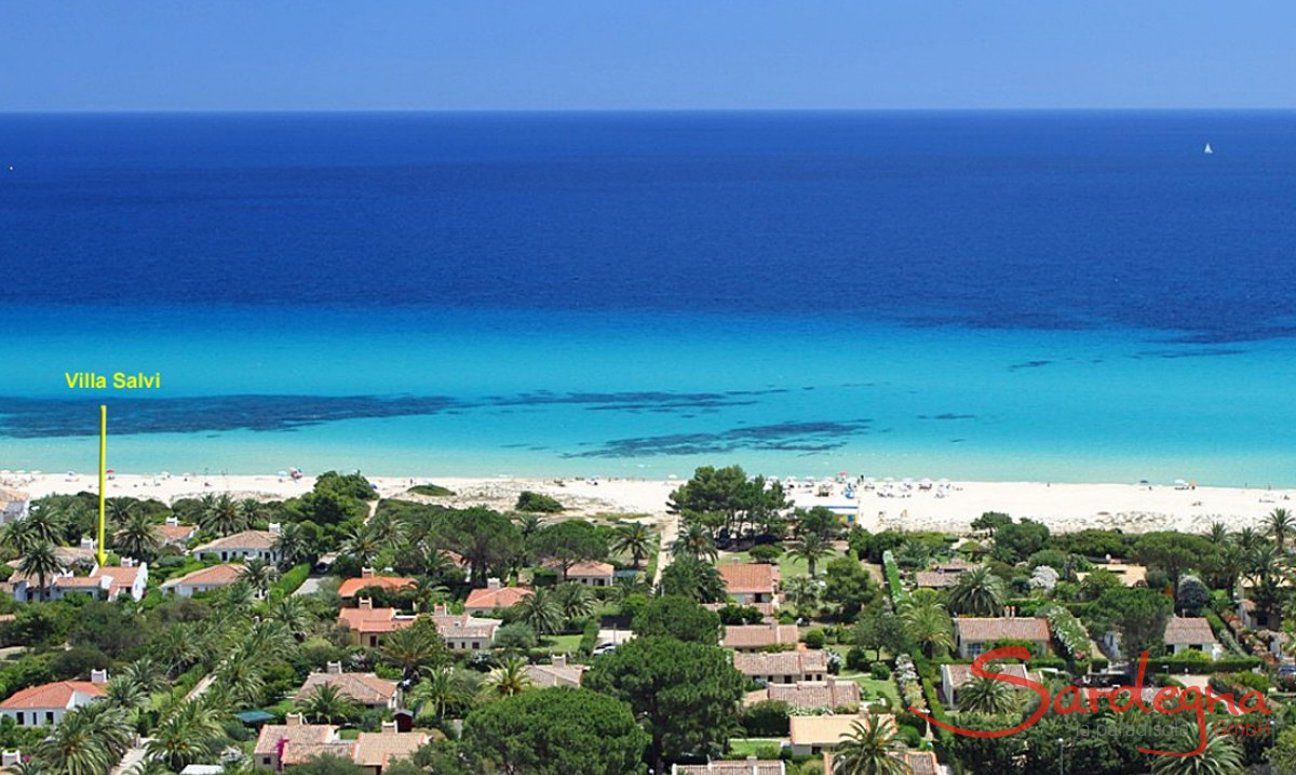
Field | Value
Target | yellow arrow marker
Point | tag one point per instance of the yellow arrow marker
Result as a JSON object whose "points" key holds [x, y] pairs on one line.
{"points": [[103, 469]]}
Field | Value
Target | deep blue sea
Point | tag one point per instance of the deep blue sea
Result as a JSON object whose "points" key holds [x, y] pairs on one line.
{"points": [[1058, 296]]}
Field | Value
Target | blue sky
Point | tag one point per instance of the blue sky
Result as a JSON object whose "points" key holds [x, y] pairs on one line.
{"points": [[644, 54]]}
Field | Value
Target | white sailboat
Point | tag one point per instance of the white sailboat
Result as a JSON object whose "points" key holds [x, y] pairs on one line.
{"points": [[1208, 149]]}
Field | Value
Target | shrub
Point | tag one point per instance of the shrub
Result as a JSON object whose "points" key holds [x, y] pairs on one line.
{"points": [[880, 671], [535, 502], [814, 638], [857, 659], [589, 637], [766, 553], [1069, 633], [432, 490], [768, 718]]}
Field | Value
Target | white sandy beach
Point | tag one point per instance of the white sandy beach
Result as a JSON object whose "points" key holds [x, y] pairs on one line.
{"points": [[1064, 507]]}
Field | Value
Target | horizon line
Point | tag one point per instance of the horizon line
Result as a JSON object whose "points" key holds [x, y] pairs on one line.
{"points": [[627, 111]]}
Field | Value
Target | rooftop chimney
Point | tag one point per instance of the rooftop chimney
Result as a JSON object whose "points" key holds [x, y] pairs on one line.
{"points": [[99, 677], [366, 573], [276, 528], [388, 727], [440, 610], [334, 668], [366, 603], [173, 521], [10, 758], [294, 719], [560, 660], [493, 583]]}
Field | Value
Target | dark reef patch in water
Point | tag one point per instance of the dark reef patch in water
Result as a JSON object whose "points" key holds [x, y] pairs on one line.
{"points": [[1029, 365], [817, 436], [947, 416]]}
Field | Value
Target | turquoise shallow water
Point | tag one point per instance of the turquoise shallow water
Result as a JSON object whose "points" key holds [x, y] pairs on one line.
{"points": [[1059, 296], [528, 392]]}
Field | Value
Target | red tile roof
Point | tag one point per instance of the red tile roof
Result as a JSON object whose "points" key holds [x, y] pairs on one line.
{"points": [[486, 599], [1188, 631], [748, 578], [349, 588], [215, 576], [364, 688], [52, 695], [373, 620], [982, 630], [754, 636]]}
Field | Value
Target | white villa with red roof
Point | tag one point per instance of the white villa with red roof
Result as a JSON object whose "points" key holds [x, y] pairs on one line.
{"points": [[203, 580], [247, 545], [47, 704], [494, 597]]}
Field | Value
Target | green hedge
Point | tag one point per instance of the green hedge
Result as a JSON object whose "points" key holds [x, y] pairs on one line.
{"points": [[292, 578], [1223, 665], [892, 576], [589, 637]]}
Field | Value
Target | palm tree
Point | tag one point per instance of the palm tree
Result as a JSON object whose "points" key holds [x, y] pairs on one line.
{"points": [[576, 601], [192, 734], [978, 592], [427, 592], [260, 574], [293, 545], [1280, 523], [41, 561], [124, 693], [220, 515], [509, 678], [802, 592], [811, 547], [293, 614], [1220, 757], [412, 649], [695, 542], [1218, 533], [444, 692], [327, 704], [635, 539], [870, 749], [47, 524], [540, 610], [88, 741], [138, 537], [251, 511], [930, 627], [986, 695]]}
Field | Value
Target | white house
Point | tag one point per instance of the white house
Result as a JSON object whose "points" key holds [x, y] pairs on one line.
{"points": [[1191, 633], [107, 583], [13, 505], [247, 545], [203, 580], [47, 704]]}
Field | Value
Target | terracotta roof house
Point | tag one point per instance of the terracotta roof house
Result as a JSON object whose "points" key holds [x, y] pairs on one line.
{"points": [[814, 735], [247, 545], [558, 673], [373, 751], [24, 588], [749, 766], [175, 534], [295, 742], [955, 676], [349, 588], [364, 689], [829, 693], [203, 580], [106, 583], [366, 625], [592, 574], [973, 635], [782, 667], [750, 582], [463, 632], [757, 637], [494, 597], [45, 705], [1191, 633]]}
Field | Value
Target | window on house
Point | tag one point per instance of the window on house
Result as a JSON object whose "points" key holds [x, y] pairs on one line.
{"points": [[20, 718], [49, 717]]}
